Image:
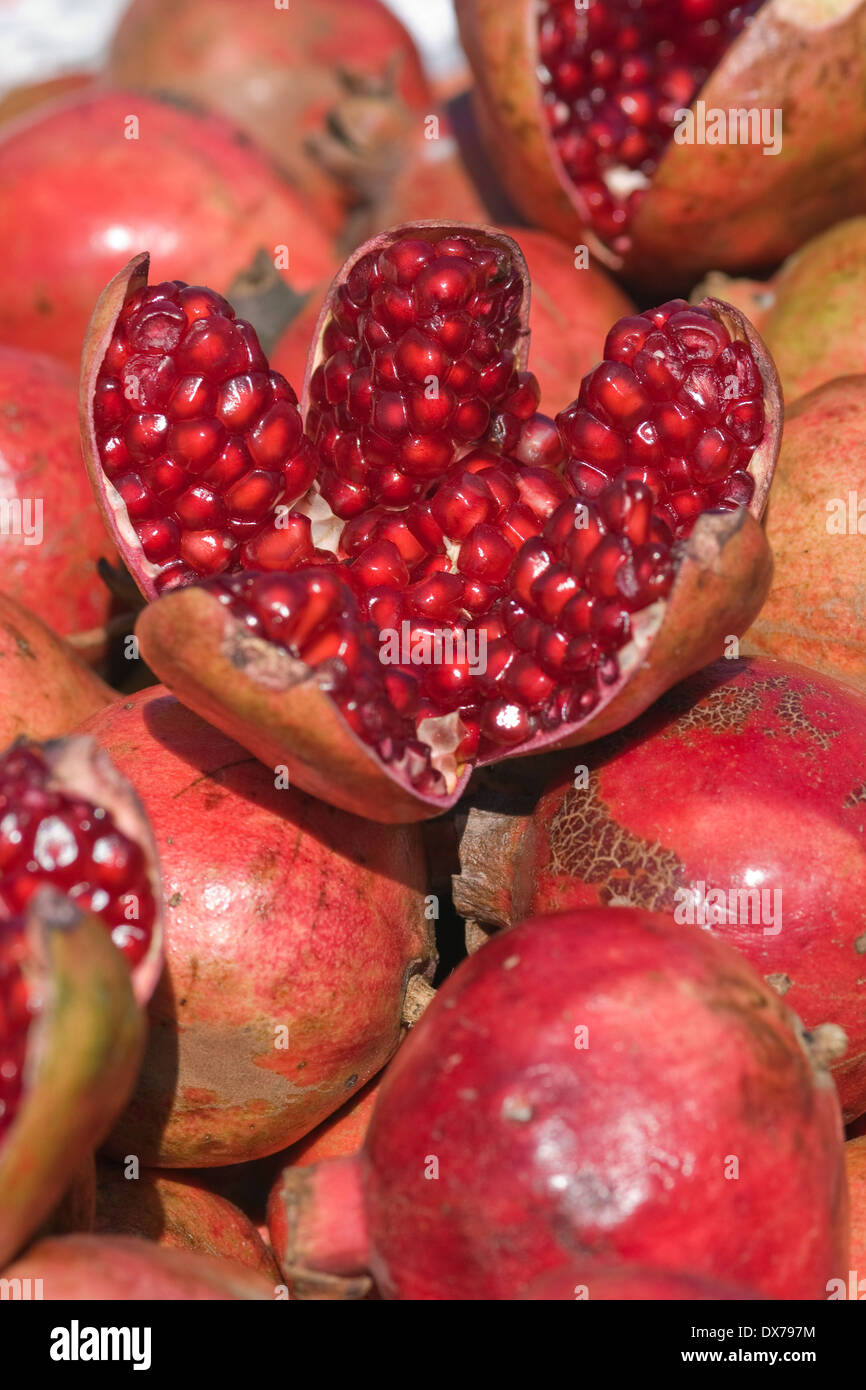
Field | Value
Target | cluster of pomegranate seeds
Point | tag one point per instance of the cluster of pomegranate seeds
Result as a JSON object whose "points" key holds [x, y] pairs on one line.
{"points": [[17, 1006], [512, 589], [614, 74], [675, 405], [51, 837], [314, 614], [199, 437], [418, 363]]}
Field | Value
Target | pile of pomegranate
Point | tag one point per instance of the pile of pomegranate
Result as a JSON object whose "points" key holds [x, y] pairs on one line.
{"points": [[432, 834]]}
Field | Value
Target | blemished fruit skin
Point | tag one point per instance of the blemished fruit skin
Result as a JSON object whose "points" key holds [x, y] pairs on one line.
{"points": [[747, 776], [816, 609], [54, 535], [342, 1134], [129, 170], [292, 931], [855, 1165], [608, 1081], [600, 1283], [101, 1268], [178, 1215]]}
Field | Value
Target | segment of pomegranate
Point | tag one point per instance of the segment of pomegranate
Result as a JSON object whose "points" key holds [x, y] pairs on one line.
{"points": [[534, 1092], [578, 105], [614, 78], [194, 441], [71, 1038], [417, 349], [70, 821]]}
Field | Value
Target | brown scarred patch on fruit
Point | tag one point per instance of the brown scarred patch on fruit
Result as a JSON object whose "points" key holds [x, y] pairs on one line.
{"points": [[780, 982], [856, 795], [586, 843]]}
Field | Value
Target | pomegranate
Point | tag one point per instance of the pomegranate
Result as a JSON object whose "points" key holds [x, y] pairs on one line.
{"points": [[602, 1081], [775, 865], [100, 1268], [341, 1134], [76, 859], [623, 1283], [293, 934], [642, 126], [51, 534], [128, 170], [45, 689], [290, 77], [811, 310], [816, 609], [178, 1215], [433, 514]]}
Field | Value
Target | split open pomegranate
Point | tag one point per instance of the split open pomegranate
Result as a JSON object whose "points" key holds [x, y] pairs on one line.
{"points": [[652, 129], [77, 871], [433, 574]]}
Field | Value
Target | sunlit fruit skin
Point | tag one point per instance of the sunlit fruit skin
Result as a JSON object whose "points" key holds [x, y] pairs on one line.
{"points": [[129, 170], [45, 688], [54, 536], [816, 609], [747, 776], [520, 1123], [277, 906]]}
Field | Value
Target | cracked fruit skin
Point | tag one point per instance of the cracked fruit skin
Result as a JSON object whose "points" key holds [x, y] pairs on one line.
{"points": [[747, 776], [536, 1088], [277, 907]]}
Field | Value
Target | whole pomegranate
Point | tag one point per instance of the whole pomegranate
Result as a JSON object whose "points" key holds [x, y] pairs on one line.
{"points": [[51, 534], [734, 802], [293, 932], [421, 500], [127, 169], [816, 521], [80, 950], [634, 124], [178, 1215], [811, 310], [289, 76], [105, 1268], [605, 1082], [45, 689]]}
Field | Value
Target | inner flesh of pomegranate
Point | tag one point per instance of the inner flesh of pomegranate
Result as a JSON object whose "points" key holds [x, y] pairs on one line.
{"points": [[51, 837], [465, 600], [418, 355], [614, 75]]}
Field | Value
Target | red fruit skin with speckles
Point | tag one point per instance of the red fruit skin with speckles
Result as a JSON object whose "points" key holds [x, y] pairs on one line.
{"points": [[748, 775]]}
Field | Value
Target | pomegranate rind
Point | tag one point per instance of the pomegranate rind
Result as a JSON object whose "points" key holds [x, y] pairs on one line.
{"points": [[272, 704], [83, 1054], [722, 207], [179, 1215], [79, 767], [94, 1268], [96, 340], [45, 688]]}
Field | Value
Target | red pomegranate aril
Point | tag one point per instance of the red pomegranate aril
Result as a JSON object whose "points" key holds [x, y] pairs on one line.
{"points": [[506, 722], [485, 554]]}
